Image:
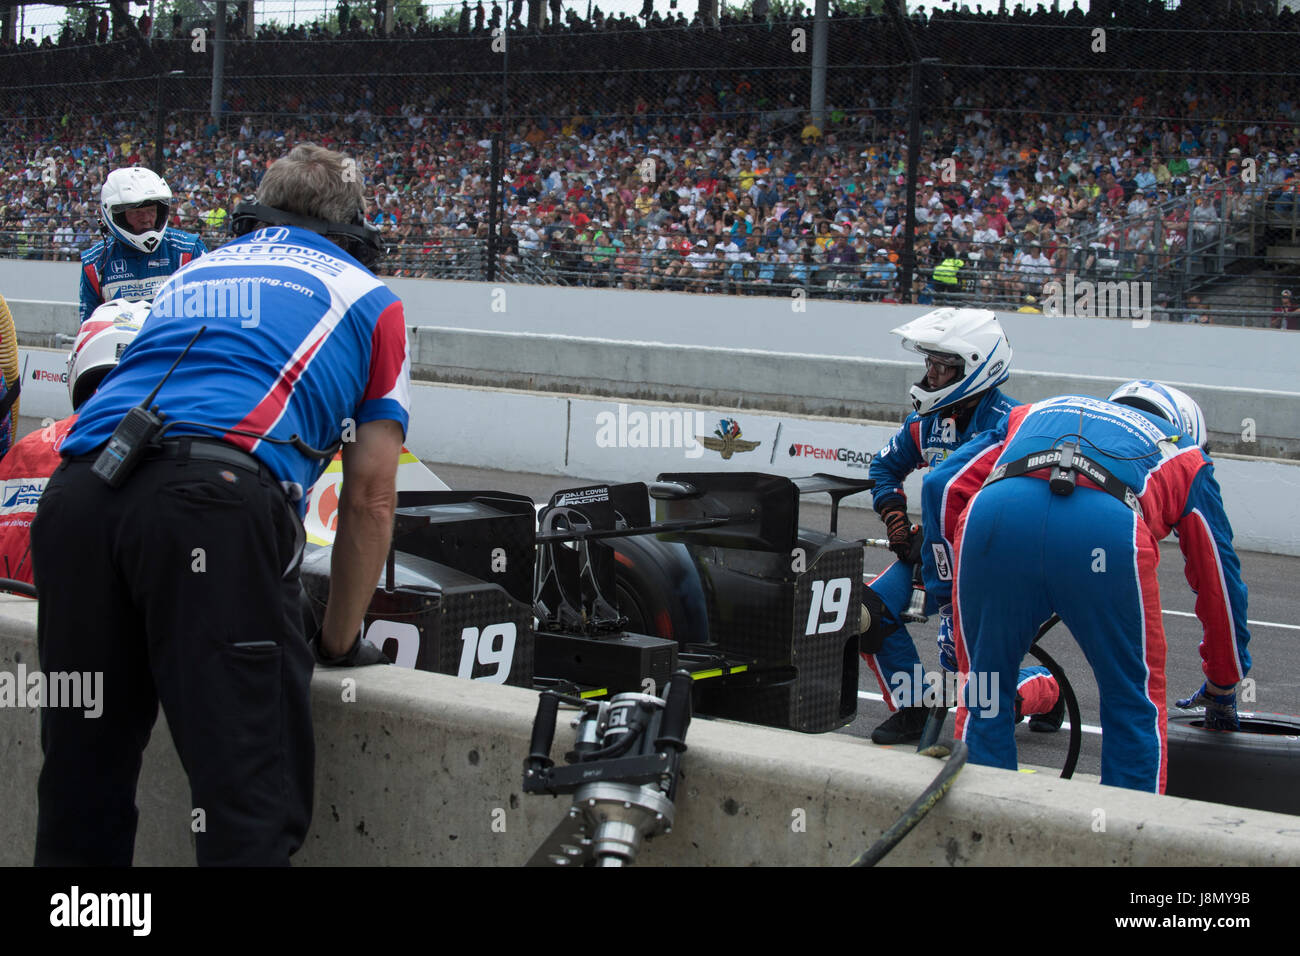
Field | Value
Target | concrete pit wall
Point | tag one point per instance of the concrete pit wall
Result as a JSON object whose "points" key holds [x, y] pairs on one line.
{"points": [[423, 769]]}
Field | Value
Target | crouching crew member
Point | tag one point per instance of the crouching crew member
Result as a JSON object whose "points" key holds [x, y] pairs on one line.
{"points": [[1060, 510]]}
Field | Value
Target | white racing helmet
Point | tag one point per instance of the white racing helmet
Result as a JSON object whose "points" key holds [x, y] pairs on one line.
{"points": [[100, 342], [970, 338], [132, 188], [1171, 404]]}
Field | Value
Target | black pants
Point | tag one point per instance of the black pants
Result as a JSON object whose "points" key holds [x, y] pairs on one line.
{"points": [[180, 587]]}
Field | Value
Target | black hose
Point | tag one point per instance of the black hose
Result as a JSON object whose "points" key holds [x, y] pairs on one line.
{"points": [[18, 587], [922, 805], [1071, 702], [1071, 707], [539, 750]]}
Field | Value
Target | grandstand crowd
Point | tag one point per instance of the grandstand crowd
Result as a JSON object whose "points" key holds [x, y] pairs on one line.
{"points": [[628, 167]]}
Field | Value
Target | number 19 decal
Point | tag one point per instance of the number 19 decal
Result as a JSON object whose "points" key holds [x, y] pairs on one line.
{"points": [[407, 637], [483, 647], [830, 597]]}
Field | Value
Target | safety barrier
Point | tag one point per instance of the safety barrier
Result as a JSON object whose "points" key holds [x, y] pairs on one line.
{"points": [[617, 440], [836, 359], [417, 769]]}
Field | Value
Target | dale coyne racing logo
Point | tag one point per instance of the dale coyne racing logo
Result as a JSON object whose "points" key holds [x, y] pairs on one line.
{"points": [[21, 494]]}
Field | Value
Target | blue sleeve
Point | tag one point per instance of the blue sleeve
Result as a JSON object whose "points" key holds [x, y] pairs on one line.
{"points": [[199, 248], [89, 297], [892, 464], [945, 492]]}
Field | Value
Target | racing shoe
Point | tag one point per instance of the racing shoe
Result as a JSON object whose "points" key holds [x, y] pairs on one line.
{"points": [[1050, 722], [904, 726]]}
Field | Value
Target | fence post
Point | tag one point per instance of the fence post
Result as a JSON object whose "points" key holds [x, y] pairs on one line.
{"points": [[494, 177]]}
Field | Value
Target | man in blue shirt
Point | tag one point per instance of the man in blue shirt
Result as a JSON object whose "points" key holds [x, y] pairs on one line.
{"points": [[1012, 549], [180, 583]]}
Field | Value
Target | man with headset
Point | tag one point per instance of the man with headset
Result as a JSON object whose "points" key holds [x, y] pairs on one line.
{"points": [[182, 586]]}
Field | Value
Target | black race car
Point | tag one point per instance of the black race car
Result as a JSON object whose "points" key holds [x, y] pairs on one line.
{"points": [[589, 595]]}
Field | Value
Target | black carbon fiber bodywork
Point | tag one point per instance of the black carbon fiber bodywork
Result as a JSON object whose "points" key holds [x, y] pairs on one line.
{"points": [[772, 638], [440, 619], [486, 534], [761, 607]]}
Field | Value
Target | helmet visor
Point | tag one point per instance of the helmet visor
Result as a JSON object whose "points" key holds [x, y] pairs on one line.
{"points": [[942, 360], [156, 224], [942, 369]]}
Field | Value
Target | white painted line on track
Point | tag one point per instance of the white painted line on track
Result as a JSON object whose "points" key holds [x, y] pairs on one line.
{"points": [[1065, 725], [1289, 627]]}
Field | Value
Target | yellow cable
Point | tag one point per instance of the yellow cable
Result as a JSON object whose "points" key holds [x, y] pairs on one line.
{"points": [[9, 361]]}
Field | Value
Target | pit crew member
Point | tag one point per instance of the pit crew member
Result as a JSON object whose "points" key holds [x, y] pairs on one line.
{"points": [[138, 250], [967, 356], [1018, 535], [26, 469], [183, 587]]}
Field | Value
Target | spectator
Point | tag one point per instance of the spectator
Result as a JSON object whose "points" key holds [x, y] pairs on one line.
{"points": [[1204, 222], [718, 174], [881, 275], [1034, 268], [1287, 314], [1196, 313]]}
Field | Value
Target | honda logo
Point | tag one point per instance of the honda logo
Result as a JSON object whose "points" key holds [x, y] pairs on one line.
{"points": [[278, 234]]}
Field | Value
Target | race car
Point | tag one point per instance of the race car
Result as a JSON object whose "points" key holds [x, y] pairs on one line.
{"points": [[588, 594]]}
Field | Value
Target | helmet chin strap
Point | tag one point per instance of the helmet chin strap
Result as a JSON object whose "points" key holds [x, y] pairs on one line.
{"points": [[961, 412]]}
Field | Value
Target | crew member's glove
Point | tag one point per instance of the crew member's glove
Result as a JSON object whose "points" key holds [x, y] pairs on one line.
{"points": [[900, 534], [947, 642], [1220, 709], [363, 653]]}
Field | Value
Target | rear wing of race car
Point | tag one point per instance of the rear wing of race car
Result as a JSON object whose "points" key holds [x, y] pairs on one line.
{"points": [[838, 488], [760, 512], [763, 509]]}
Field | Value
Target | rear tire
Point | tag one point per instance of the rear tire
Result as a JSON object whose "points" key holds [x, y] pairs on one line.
{"points": [[659, 590], [1257, 767]]}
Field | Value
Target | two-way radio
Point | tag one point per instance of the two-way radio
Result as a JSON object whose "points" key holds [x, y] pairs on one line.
{"points": [[133, 434]]}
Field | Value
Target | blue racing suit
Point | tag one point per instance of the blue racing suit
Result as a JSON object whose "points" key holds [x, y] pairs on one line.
{"points": [[1011, 553], [110, 269], [924, 441]]}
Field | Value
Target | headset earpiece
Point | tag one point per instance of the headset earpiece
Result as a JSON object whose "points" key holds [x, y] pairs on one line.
{"points": [[361, 240]]}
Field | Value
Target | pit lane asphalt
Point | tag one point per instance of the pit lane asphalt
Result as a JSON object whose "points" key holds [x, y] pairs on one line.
{"points": [[1275, 651]]}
